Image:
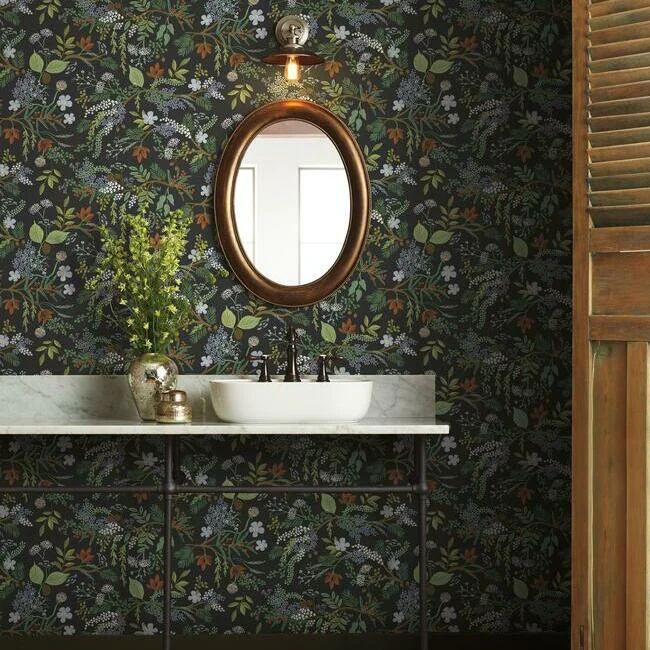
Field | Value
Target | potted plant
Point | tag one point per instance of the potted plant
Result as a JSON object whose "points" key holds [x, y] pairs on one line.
{"points": [[141, 276]]}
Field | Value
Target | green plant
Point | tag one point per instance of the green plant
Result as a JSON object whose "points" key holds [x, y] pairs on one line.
{"points": [[143, 274]]}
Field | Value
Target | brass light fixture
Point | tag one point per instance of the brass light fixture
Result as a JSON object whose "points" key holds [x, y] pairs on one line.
{"points": [[292, 33]]}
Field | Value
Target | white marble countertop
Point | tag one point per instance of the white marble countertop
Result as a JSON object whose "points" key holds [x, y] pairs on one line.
{"points": [[104, 426], [102, 405]]}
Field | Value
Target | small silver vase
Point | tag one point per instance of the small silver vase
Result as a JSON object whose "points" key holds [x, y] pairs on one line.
{"points": [[149, 373]]}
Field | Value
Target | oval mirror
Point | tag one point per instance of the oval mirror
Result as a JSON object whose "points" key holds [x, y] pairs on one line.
{"points": [[292, 202]]}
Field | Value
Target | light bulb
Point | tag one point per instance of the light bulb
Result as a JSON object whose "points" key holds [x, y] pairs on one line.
{"points": [[292, 69]]}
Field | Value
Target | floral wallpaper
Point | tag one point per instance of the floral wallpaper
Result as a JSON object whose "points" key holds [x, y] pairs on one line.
{"points": [[462, 110]]}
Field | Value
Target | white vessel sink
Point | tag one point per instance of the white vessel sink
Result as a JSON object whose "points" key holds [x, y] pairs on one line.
{"points": [[248, 401]]}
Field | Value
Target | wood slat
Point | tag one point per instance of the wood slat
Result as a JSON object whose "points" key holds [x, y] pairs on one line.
{"points": [[637, 496], [618, 77], [619, 107], [625, 181], [605, 7], [626, 215], [619, 328], [616, 167], [609, 495], [620, 152], [618, 49], [636, 196], [618, 238], [619, 18], [624, 91], [620, 136], [615, 122], [620, 284], [621, 33], [628, 62]]}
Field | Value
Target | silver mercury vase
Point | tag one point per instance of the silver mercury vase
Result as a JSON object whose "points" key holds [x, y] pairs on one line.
{"points": [[149, 373]]}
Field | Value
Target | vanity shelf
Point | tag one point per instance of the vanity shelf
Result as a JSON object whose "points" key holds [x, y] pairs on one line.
{"points": [[50, 405]]}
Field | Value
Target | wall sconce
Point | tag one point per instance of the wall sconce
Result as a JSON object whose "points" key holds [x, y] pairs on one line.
{"points": [[291, 33]]}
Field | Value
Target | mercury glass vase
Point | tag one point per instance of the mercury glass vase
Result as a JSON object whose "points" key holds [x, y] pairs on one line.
{"points": [[148, 374]]}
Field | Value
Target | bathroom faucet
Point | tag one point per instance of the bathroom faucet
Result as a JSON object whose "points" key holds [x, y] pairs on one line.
{"points": [[292, 374]]}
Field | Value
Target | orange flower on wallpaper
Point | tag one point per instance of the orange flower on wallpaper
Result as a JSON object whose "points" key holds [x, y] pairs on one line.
{"points": [[203, 49], [140, 152], [332, 579], [332, 67], [156, 70], [86, 43], [278, 470], [203, 561], [11, 305], [348, 327], [11, 134], [11, 475], [85, 214]]}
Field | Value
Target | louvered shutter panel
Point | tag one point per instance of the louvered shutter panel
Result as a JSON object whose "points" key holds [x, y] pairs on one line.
{"points": [[619, 112], [611, 324]]}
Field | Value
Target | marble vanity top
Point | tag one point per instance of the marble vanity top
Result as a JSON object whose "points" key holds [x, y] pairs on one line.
{"points": [[102, 405]]}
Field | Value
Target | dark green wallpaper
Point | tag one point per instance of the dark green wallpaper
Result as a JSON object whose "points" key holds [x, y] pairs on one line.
{"points": [[462, 109]]}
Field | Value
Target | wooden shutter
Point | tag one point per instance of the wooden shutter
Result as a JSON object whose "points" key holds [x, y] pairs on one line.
{"points": [[611, 211]]}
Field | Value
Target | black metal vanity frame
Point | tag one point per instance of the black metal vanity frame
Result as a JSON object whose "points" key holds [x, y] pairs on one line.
{"points": [[173, 484]]}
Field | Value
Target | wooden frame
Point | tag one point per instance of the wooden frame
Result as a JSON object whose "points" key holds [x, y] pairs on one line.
{"points": [[581, 454], [343, 140], [610, 558]]}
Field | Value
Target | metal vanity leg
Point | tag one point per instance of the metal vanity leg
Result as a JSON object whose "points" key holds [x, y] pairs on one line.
{"points": [[169, 487], [422, 489]]}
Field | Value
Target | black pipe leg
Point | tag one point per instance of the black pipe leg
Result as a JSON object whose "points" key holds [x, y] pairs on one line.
{"points": [[422, 488], [171, 461], [177, 475]]}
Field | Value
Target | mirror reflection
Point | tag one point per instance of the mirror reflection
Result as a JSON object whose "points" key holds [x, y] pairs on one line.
{"points": [[292, 202]]}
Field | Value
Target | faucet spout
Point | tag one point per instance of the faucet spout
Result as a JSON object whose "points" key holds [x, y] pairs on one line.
{"points": [[292, 374]]}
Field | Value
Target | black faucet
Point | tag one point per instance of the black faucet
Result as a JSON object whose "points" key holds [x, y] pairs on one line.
{"points": [[292, 374], [322, 369], [265, 374]]}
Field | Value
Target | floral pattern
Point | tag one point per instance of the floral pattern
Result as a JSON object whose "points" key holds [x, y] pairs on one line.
{"points": [[461, 108]]}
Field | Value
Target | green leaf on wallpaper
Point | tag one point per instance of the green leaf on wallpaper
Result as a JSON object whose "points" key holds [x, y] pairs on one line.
{"points": [[136, 589], [36, 233], [442, 408], [248, 322], [440, 578], [55, 66], [520, 76], [327, 332], [420, 233], [440, 66], [36, 575], [56, 578], [228, 318], [136, 77], [440, 237], [36, 62], [520, 247], [327, 503], [242, 496], [420, 62], [520, 588], [56, 237], [520, 418]]}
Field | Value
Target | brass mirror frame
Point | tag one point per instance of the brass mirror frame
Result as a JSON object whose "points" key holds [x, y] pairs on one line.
{"points": [[224, 199]]}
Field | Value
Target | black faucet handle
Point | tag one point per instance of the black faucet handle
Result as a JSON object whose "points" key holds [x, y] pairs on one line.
{"points": [[265, 373], [322, 360]]}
